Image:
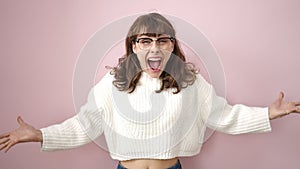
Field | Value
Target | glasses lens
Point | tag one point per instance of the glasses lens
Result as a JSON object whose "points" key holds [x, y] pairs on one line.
{"points": [[146, 43], [164, 42]]}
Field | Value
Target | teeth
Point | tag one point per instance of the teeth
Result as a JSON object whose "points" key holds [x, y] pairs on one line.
{"points": [[154, 63], [154, 59]]}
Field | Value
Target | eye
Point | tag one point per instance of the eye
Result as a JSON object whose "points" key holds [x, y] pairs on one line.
{"points": [[162, 41], [145, 41]]}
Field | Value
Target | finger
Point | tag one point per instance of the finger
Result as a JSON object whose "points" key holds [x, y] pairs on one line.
{"points": [[296, 103], [3, 140], [20, 120], [8, 147], [4, 135], [295, 110], [281, 96], [4, 145]]}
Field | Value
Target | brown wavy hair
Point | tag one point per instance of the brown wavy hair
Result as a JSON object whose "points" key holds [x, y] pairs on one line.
{"points": [[177, 74]]}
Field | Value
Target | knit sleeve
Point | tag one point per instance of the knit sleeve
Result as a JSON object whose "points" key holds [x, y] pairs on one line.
{"points": [[81, 128], [230, 119]]}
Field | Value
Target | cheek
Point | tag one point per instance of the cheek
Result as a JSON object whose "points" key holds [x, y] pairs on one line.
{"points": [[166, 54], [142, 58]]}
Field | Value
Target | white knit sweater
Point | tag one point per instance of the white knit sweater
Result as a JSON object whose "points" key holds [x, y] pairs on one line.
{"points": [[145, 124]]}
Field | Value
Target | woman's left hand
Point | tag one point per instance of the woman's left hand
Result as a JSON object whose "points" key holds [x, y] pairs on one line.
{"points": [[281, 108]]}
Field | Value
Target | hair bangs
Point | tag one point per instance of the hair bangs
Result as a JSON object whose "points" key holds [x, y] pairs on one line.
{"points": [[151, 26]]}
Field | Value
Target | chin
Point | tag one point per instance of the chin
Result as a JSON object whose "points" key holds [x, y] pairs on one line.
{"points": [[153, 74]]}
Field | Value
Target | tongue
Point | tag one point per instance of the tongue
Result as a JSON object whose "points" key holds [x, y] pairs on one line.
{"points": [[154, 64]]}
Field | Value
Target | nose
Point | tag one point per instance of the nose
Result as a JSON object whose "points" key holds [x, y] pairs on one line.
{"points": [[154, 48]]}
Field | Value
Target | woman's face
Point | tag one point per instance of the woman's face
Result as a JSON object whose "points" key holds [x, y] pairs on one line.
{"points": [[153, 52]]}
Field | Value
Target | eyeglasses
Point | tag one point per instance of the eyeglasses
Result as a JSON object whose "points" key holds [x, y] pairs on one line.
{"points": [[162, 43]]}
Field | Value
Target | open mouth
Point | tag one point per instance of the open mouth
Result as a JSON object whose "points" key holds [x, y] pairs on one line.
{"points": [[154, 63]]}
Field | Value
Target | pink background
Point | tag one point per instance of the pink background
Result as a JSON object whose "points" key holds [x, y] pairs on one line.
{"points": [[258, 43]]}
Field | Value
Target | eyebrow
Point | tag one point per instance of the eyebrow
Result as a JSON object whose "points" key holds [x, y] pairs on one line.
{"points": [[152, 34], [148, 36]]}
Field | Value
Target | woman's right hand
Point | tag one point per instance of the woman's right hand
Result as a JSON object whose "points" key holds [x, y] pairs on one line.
{"points": [[25, 133]]}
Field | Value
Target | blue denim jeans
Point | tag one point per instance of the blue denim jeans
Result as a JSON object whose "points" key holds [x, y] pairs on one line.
{"points": [[175, 166]]}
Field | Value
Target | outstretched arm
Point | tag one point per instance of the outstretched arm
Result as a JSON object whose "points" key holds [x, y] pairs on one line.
{"points": [[25, 133], [281, 108], [238, 118], [73, 132]]}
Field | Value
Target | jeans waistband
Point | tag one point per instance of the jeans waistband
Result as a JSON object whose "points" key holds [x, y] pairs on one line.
{"points": [[175, 166]]}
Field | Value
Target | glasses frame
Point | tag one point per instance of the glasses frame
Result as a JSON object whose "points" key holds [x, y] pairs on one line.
{"points": [[137, 40]]}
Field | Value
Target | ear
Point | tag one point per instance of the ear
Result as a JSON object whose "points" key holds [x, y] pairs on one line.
{"points": [[173, 46], [134, 47]]}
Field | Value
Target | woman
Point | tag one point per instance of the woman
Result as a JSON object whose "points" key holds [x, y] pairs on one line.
{"points": [[152, 108]]}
